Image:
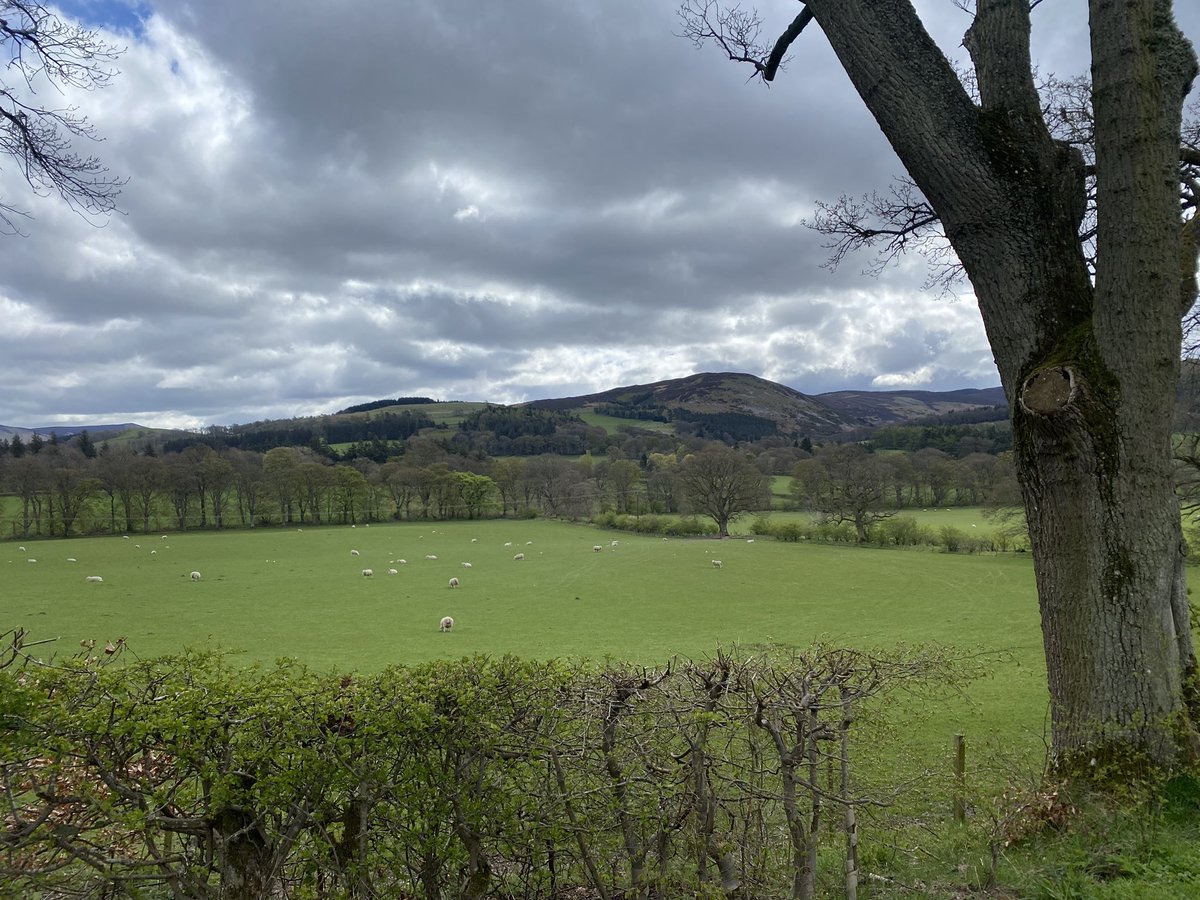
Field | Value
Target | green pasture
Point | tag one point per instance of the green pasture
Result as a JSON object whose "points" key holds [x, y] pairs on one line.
{"points": [[615, 424], [273, 593], [965, 518]]}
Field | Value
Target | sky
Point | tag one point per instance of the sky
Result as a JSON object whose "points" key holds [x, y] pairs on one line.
{"points": [[330, 203]]}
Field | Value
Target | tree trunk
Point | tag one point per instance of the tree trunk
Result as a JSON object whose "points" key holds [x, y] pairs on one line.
{"points": [[1090, 371]]}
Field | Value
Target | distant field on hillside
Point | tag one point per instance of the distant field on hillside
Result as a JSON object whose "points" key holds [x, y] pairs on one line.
{"points": [[615, 424]]}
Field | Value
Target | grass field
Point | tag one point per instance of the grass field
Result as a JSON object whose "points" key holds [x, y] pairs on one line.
{"points": [[300, 593], [273, 593], [614, 424], [965, 518]]}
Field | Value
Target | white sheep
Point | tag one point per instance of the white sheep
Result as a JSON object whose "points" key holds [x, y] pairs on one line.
{"points": [[474, 540], [506, 544], [717, 563], [354, 553], [94, 579], [615, 543], [402, 562], [393, 572], [367, 573], [466, 565], [519, 556], [431, 556], [22, 549], [72, 559], [31, 560], [446, 624], [195, 576], [596, 548], [453, 582]]}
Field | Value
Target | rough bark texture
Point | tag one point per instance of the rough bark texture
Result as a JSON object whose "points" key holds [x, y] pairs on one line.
{"points": [[1089, 370]]}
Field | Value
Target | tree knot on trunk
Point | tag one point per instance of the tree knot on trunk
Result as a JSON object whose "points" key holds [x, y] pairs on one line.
{"points": [[1048, 392]]}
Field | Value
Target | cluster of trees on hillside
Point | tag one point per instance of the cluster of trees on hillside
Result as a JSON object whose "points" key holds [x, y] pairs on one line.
{"points": [[956, 439], [318, 434], [720, 426], [528, 431]]}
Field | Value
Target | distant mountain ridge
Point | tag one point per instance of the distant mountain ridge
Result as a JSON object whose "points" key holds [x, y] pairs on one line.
{"points": [[7, 432], [708, 398], [792, 412]]}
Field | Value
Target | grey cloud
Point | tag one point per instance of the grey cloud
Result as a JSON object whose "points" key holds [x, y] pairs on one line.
{"points": [[497, 201]]}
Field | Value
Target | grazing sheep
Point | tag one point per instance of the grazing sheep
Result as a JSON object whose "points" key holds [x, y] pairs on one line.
{"points": [[466, 565], [72, 559], [31, 560], [195, 576], [367, 573], [519, 556], [402, 562], [506, 544], [164, 537], [614, 543], [354, 553], [393, 572], [453, 582], [446, 624], [717, 564], [125, 536], [431, 556], [94, 579], [474, 540], [596, 548]]}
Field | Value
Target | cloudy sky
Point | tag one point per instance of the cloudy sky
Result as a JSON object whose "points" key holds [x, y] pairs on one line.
{"points": [[335, 202]]}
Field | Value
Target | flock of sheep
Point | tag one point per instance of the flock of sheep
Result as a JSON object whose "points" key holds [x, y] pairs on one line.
{"points": [[444, 625]]}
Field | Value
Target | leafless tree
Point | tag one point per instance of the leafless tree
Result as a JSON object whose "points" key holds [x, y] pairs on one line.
{"points": [[1083, 315], [47, 54]]}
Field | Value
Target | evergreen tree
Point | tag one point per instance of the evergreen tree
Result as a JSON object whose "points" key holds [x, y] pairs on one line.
{"points": [[86, 445]]}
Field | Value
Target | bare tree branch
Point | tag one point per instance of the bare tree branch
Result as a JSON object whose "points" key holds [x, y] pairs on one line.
{"points": [[785, 41], [46, 51]]}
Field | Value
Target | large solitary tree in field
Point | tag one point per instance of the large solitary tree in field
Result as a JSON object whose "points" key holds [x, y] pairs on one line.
{"points": [[722, 483], [1088, 355]]}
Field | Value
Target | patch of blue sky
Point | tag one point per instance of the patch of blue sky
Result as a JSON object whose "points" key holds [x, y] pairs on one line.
{"points": [[126, 16]]}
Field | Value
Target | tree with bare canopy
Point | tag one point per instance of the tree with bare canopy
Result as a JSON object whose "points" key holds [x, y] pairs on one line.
{"points": [[46, 52], [1087, 348]]}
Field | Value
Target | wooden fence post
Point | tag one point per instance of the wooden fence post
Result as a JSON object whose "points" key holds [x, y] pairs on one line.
{"points": [[960, 778]]}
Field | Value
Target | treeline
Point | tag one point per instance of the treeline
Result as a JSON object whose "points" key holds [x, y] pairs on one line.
{"points": [[638, 412], [527, 431], [62, 491], [958, 440], [746, 776], [726, 426], [317, 434]]}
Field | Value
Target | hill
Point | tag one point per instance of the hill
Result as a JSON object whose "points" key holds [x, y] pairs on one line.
{"points": [[891, 407], [745, 406], [720, 405]]}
